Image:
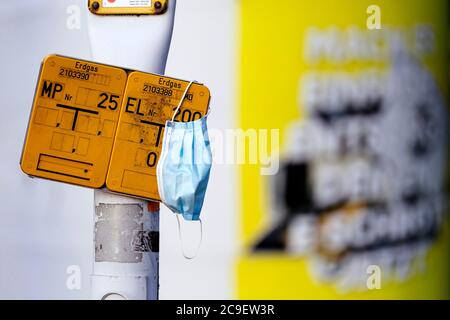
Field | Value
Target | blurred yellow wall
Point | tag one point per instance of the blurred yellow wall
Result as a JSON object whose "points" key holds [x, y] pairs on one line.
{"points": [[271, 63]]}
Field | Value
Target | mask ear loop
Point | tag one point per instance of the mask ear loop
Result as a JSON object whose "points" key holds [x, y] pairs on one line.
{"points": [[178, 218], [181, 239], [182, 98]]}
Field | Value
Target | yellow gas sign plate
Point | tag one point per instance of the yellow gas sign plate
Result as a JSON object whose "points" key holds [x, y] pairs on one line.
{"points": [[149, 101], [73, 121], [127, 7]]}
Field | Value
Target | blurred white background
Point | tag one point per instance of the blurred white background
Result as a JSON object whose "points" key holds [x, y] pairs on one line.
{"points": [[45, 226]]}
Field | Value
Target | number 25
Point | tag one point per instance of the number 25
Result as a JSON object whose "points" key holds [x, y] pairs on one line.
{"points": [[113, 103]]}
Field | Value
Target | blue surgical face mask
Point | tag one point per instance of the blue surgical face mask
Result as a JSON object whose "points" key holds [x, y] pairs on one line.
{"points": [[184, 166]]}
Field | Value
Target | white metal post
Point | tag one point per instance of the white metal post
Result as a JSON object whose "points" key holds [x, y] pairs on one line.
{"points": [[126, 230]]}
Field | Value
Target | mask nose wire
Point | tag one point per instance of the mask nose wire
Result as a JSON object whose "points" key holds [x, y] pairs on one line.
{"points": [[181, 239], [182, 98]]}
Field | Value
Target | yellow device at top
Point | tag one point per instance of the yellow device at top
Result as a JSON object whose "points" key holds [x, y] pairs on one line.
{"points": [[127, 7]]}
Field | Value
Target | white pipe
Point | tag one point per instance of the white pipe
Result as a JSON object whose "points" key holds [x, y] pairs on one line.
{"points": [[124, 227]]}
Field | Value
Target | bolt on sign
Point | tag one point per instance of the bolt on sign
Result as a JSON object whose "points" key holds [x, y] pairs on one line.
{"points": [[73, 121], [96, 125], [149, 101], [127, 7]]}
